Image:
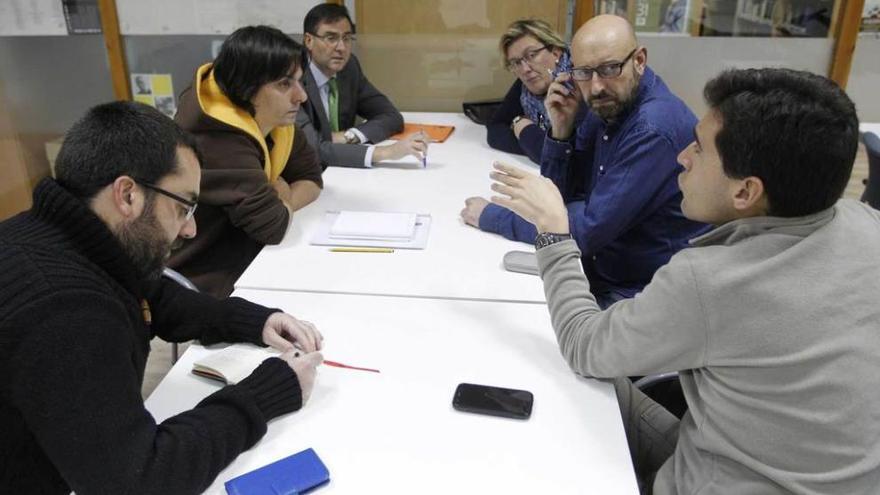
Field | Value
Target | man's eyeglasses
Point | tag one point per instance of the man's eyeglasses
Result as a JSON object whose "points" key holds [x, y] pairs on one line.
{"points": [[333, 39], [605, 71], [190, 205], [528, 57]]}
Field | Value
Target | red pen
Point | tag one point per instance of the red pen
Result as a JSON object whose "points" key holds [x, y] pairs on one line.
{"points": [[340, 365], [337, 364]]}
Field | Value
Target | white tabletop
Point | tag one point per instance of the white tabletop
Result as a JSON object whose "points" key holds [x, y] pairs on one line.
{"points": [[870, 127], [459, 261], [396, 432]]}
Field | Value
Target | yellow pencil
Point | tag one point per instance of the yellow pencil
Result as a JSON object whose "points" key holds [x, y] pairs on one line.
{"points": [[360, 250]]}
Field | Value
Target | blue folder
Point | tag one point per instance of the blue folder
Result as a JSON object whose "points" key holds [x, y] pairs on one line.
{"points": [[289, 476]]}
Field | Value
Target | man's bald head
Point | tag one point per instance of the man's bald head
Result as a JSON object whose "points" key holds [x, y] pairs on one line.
{"points": [[608, 42], [603, 38], [606, 30]]}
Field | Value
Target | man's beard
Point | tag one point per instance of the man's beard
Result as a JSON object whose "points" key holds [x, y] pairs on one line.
{"points": [[611, 112], [144, 242]]}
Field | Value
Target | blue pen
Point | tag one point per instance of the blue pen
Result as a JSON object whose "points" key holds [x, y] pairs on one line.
{"points": [[425, 158]]}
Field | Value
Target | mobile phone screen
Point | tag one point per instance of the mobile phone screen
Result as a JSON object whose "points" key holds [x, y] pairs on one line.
{"points": [[494, 401]]}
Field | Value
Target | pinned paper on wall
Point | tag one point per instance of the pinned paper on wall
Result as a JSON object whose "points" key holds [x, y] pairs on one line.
{"points": [[871, 16], [156, 90]]}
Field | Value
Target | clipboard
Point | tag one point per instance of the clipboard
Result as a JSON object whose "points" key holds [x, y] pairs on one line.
{"points": [[437, 133]]}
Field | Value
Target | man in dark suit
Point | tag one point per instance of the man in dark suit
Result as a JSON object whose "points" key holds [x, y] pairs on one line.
{"points": [[339, 92]]}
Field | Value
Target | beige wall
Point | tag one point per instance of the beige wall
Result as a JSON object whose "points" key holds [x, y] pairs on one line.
{"points": [[433, 55], [15, 186]]}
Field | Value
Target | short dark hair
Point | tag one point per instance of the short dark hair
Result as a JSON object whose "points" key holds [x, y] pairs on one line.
{"points": [[325, 12], [796, 131], [116, 139], [251, 57]]}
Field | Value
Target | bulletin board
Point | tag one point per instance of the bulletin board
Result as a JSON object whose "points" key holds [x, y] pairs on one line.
{"points": [[163, 17]]}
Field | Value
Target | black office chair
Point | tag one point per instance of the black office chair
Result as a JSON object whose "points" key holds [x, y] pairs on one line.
{"points": [[872, 183], [664, 389], [185, 282]]}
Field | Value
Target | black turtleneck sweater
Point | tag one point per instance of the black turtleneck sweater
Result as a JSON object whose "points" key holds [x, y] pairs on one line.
{"points": [[73, 347]]}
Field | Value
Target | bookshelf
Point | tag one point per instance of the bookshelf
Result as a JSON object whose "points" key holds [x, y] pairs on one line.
{"points": [[754, 18]]}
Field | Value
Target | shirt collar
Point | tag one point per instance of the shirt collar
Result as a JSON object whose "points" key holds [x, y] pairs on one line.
{"points": [[737, 230], [88, 234], [320, 78]]}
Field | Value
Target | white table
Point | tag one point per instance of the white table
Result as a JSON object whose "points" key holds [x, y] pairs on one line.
{"points": [[396, 432], [870, 127], [460, 262]]}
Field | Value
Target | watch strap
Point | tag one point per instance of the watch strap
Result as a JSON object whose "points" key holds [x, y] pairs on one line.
{"points": [[545, 239]]}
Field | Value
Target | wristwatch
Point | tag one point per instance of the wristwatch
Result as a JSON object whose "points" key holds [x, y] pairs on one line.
{"points": [[351, 137], [545, 239], [514, 121]]}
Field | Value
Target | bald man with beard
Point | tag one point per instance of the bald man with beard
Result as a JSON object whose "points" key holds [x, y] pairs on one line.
{"points": [[616, 170]]}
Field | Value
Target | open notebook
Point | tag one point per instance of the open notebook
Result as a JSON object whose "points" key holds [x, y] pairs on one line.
{"points": [[233, 364], [236, 362]]}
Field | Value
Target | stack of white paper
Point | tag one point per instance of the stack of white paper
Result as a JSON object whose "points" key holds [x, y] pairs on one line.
{"points": [[371, 225], [373, 229]]}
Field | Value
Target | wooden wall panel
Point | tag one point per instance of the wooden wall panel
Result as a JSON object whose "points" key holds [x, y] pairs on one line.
{"points": [[432, 55], [15, 186]]}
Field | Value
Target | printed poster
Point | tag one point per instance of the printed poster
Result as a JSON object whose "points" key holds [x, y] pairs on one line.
{"points": [[155, 90]]}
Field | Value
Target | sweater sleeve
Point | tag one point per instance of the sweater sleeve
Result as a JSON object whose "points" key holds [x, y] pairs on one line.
{"points": [[500, 136], [498, 132], [180, 315], [76, 385], [234, 180], [624, 189], [664, 328], [303, 163]]}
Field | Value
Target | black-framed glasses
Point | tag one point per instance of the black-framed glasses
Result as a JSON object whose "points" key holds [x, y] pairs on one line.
{"points": [[605, 71], [528, 57], [333, 39], [190, 205]]}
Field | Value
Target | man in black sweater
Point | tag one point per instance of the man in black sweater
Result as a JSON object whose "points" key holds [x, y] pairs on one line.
{"points": [[80, 299]]}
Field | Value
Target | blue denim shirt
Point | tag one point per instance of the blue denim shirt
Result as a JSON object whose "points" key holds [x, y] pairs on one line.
{"points": [[619, 182]]}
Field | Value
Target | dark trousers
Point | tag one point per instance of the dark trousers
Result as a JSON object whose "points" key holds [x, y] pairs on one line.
{"points": [[651, 431]]}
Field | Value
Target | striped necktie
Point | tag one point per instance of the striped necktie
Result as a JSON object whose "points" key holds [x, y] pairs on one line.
{"points": [[333, 104]]}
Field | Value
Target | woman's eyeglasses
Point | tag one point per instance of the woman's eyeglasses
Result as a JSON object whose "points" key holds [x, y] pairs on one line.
{"points": [[528, 57]]}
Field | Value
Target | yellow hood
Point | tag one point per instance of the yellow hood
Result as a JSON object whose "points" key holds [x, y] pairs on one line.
{"points": [[216, 104]]}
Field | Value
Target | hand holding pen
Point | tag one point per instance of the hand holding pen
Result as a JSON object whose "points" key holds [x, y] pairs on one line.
{"points": [[562, 103], [415, 144]]}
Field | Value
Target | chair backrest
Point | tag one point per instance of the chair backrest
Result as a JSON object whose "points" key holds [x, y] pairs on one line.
{"points": [[872, 186], [185, 282], [180, 279]]}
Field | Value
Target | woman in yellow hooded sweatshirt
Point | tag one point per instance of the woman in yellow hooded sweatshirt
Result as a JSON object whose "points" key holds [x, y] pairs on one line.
{"points": [[257, 168]]}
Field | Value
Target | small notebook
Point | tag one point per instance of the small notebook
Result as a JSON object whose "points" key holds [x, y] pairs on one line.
{"points": [[437, 133], [234, 363], [373, 225], [289, 476]]}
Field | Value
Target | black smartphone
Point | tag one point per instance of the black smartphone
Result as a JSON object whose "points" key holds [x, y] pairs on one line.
{"points": [[494, 401]]}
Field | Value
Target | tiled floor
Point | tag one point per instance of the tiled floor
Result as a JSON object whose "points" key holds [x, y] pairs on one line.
{"points": [[160, 357]]}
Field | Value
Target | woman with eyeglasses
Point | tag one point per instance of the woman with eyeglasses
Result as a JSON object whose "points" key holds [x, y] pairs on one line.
{"points": [[257, 167], [533, 52]]}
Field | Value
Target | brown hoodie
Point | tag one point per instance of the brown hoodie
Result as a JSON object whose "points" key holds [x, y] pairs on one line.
{"points": [[239, 211]]}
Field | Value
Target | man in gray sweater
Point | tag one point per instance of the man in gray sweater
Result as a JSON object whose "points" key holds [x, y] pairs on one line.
{"points": [[771, 319]]}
